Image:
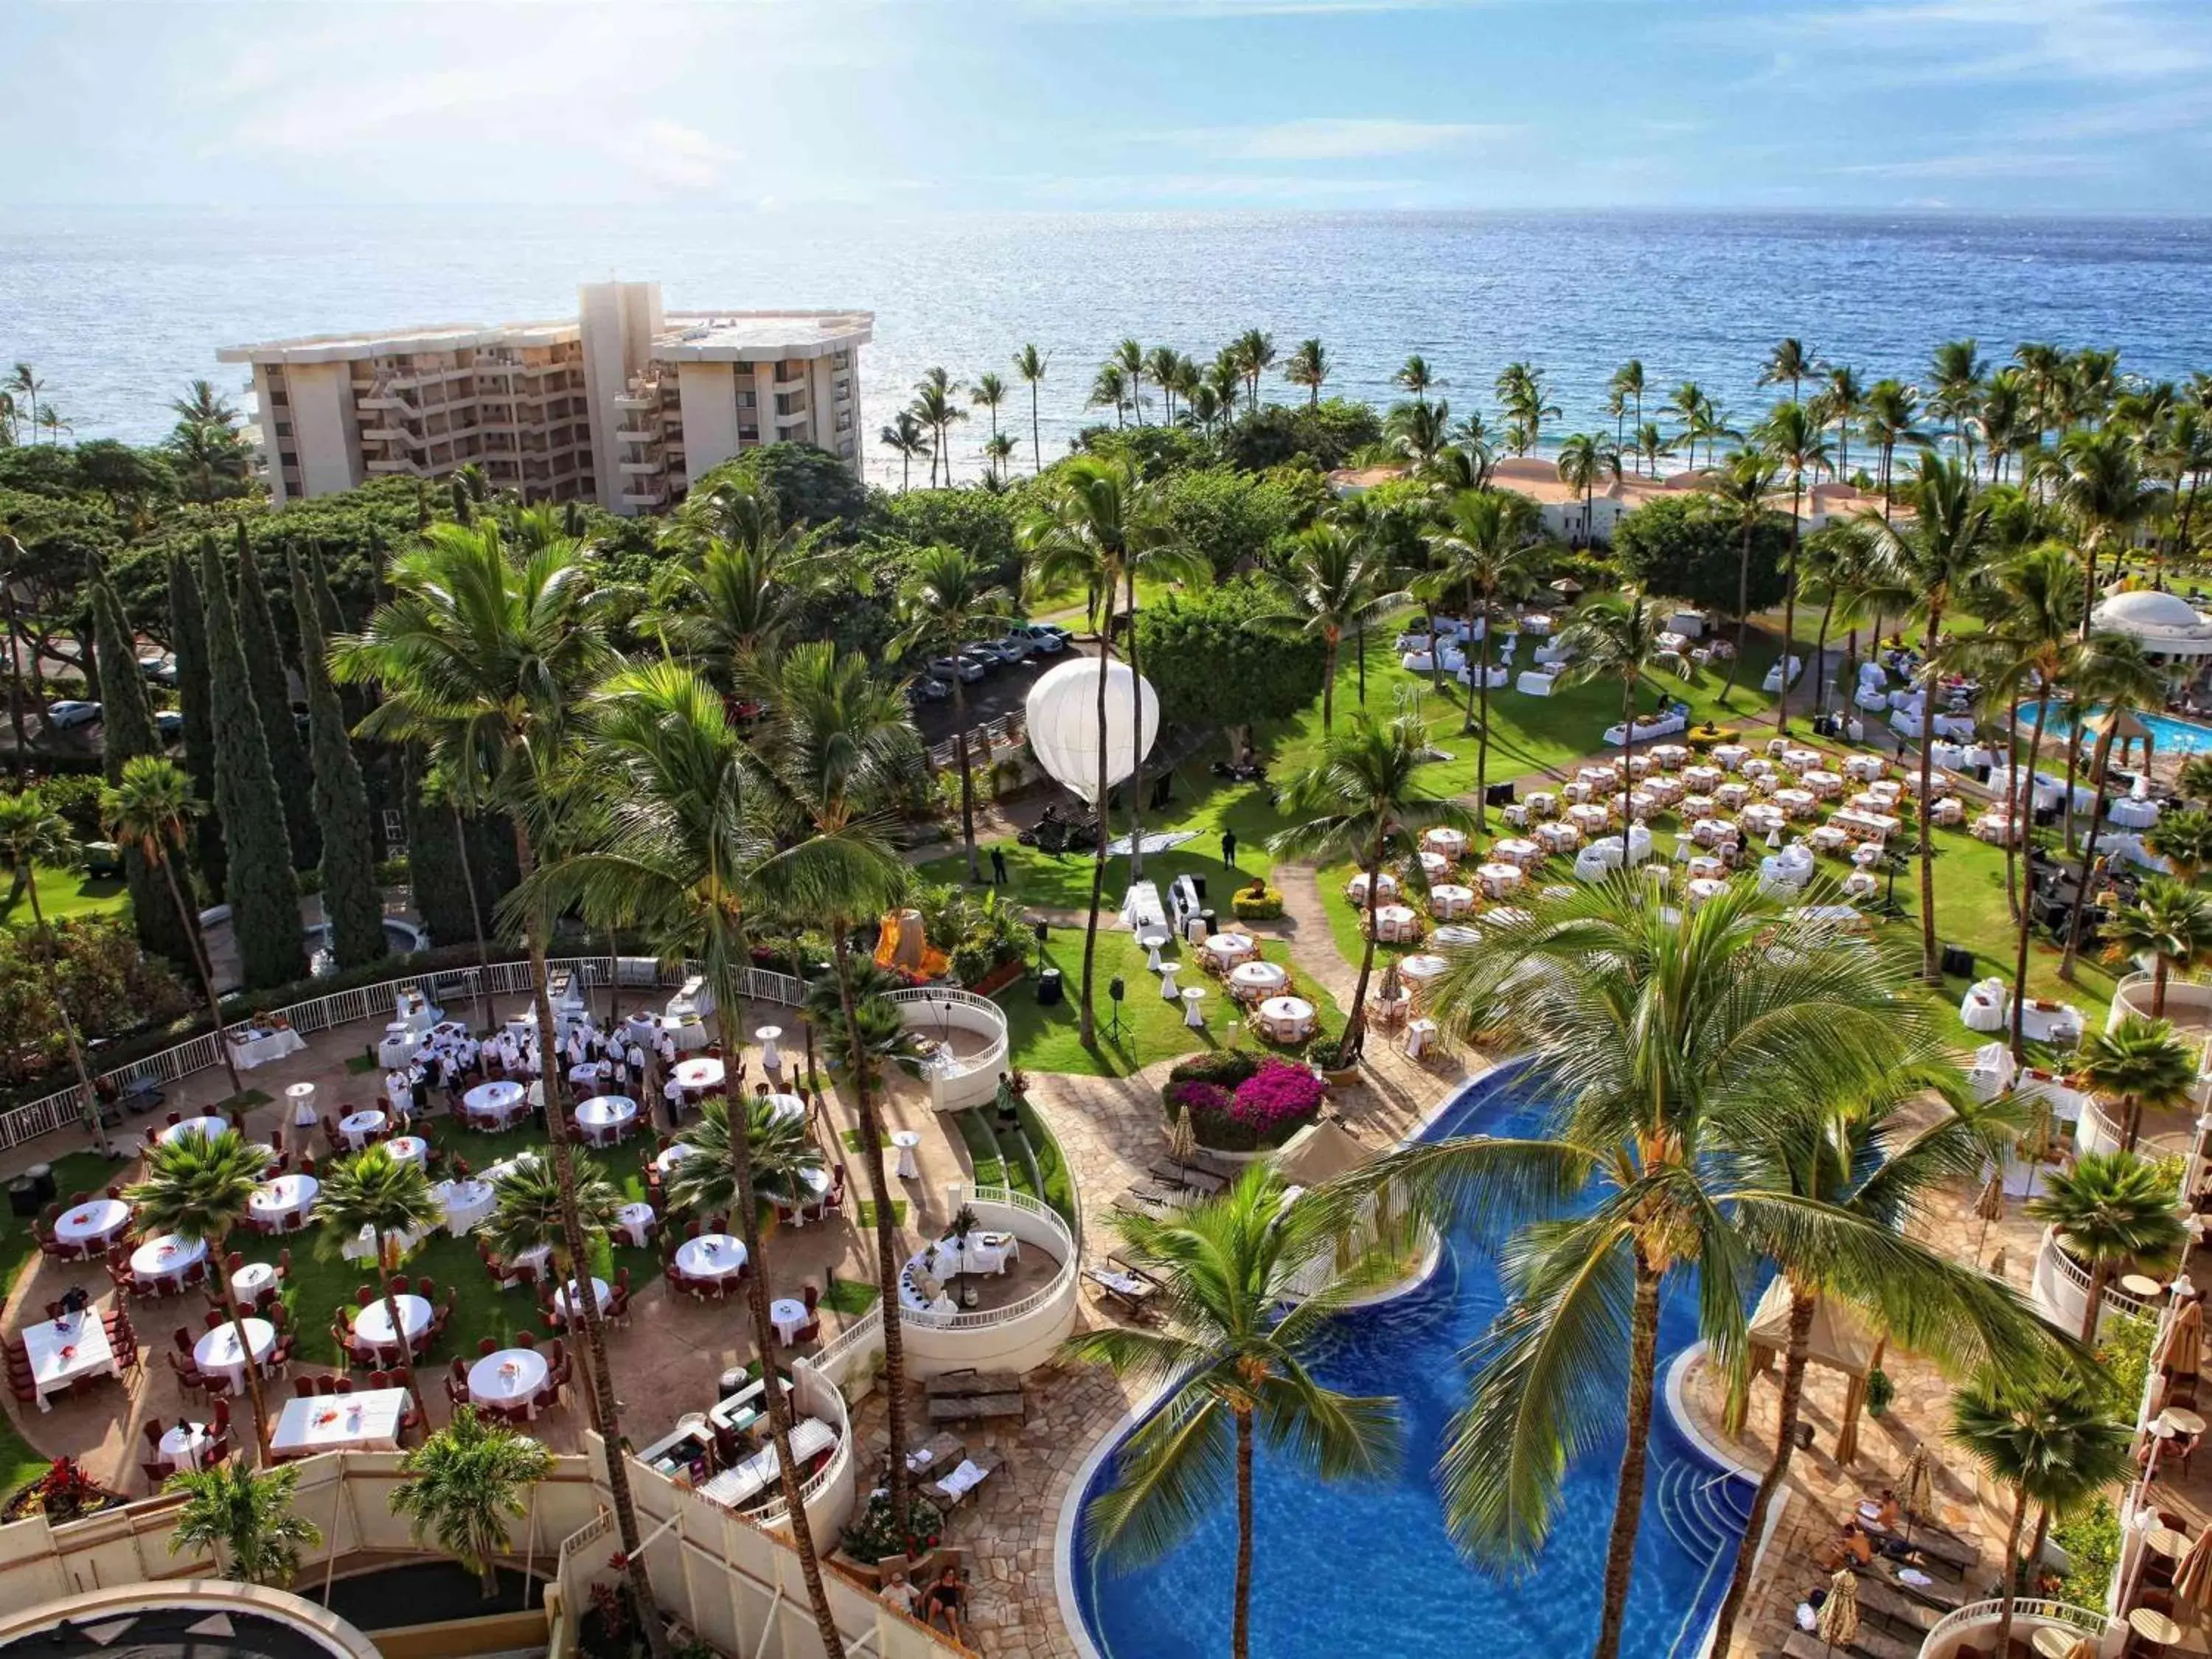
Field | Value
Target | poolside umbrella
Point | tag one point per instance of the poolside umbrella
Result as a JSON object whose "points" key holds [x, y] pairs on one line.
{"points": [[1839, 1614], [2183, 1350], [2192, 1579], [1919, 1482], [1991, 1207]]}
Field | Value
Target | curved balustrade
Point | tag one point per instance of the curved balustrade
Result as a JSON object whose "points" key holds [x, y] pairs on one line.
{"points": [[2061, 1288], [1950, 1632], [1019, 1334]]}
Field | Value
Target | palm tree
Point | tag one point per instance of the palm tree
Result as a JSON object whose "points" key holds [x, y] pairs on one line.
{"points": [[1958, 374], [1130, 358], [839, 754], [32, 834], [2145, 1066], [2116, 673], [53, 424], [152, 808], [1616, 638], [1892, 406], [1361, 800], [374, 1191], [1793, 361], [1030, 364], [948, 597], [2170, 922], [778, 1153], [1489, 550], [1230, 1373], [1521, 393], [1333, 586], [2110, 1209], [1742, 487], [1664, 1039], [1418, 431], [464, 1484], [1255, 355], [1308, 367], [1226, 376], [2100, 483], [2182, 452], [24, 383], [490, 655], [906, 438], [1110, 389], [246, 1515], [935, 407], [1711, 428], [198, 1188], [1689, 403], [1931, 561], [1649, 445], [997, 458], [677, 861], [988, 392], [1584, 457], [1417, 378], [1793, 437], [531, 1212], [1164, 364], [1865, 1158], [2184, 840], [1627, 384], [2050, 1437], [1843, 400]]}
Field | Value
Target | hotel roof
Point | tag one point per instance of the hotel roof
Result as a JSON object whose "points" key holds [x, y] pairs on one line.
{"points": [[728, 337]]}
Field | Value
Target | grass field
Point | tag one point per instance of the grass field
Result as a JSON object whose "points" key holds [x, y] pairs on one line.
{"points": [[63, 894]]}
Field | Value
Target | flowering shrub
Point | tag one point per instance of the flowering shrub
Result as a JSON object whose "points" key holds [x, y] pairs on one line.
{"points": [[1197, 1098], [1226, 1067], [871, 1535], [1258, 903], [64, 1493], [1276, 1099]]}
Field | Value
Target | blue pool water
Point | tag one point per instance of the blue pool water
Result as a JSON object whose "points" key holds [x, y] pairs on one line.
{"points": [[2170, 734], [1368, 1568]]}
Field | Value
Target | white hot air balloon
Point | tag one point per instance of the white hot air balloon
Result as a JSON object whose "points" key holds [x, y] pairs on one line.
{"points": [[1063, 723]]}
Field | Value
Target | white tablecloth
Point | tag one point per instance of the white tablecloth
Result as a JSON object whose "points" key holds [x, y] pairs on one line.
{"points": [[281, 1199], [368, 1421], [1287, 1019], [633, 1218], [701, 1074], [711, 1255], [358, 1126], [88, 1354], [93, 1223], [603, 1117], [495, 1101], [495, 1173], [165, 1257], [1258, 979], [906, 1140], [789, 1316], [398, 1048], [218, 1354], [600, 1291], [183, 1444], [408, 1149], [467, 1203], [206, 1128], [247, 1283], [372, 1326], [263, 1050], [508, 1377], [2131, 814]]}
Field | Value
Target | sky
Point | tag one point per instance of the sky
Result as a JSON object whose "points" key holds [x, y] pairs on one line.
{"points": [[1996, 106]]}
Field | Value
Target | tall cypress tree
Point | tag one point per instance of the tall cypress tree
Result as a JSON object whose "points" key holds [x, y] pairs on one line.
{"points": [[272, 698], [127, 732], [351, 898], [318, 578], [195, 700], [434, 869], [265, 901]]}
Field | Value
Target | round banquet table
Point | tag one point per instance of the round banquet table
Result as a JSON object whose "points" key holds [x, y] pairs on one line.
{"points": [[209, 1127], [633, 1220], [497, 1101], [600, 1293], [408, 1149], [1514, 850], [183, 1444], [1433, 865], [358, 1126], [512, 1376], [1293, 1015], [1258, 979], [711, 1255], [789, 1316], [1230, 949], [467, 1203], [1394, 918], [1460, 937], [788, 1109], [671, 1155], [372, 1326], [217, 1353], [165, 1256], [703, 1074], [1422, 967], [605, 1118], [278, 1202], [1445, 840], [93, 1223], [247, 1283]]}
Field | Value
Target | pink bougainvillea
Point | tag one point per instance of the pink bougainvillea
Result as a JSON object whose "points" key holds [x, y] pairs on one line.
{"points": [[1277, 1095]]}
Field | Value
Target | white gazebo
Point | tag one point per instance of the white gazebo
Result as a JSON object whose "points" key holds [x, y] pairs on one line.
{"points": [[2173, 632]]}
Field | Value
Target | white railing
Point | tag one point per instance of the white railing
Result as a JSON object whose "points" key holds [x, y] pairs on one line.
{"points": [[1001, 730], [2117, 1300], [1951, 1624], [853, 1344], [993, 1055], [1053, 1289], [815, 1392]]}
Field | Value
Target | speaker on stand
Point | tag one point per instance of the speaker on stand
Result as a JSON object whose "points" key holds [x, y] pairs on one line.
{"points": [[1115, 990]]}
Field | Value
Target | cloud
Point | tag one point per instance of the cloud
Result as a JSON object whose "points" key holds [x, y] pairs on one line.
{"points": [[1970, 165], [1914, 41], [1348, 140], [668, 156]]}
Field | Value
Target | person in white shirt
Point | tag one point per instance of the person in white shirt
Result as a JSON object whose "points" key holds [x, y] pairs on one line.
{"points": [[672, 1091], [400, 1094]]}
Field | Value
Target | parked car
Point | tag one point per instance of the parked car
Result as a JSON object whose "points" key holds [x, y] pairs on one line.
{"points": [[1047, 637], [930, 688], [1013, 646], [72, 712], [169, 725], [969, 668], [159, 666], [985, 652]]}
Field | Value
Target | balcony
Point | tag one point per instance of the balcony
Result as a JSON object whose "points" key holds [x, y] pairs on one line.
{"points": [[797, 383], [653, 467], [795, 417], [654, 495], [1021, 1315], [1974, 1626]]}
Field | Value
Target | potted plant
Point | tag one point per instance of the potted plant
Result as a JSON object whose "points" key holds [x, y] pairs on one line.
{"points": [[1325, 1054], [964, 1223]]}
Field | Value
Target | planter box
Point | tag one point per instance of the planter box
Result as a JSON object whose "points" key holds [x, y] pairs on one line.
{"points": [[1000, 977]]}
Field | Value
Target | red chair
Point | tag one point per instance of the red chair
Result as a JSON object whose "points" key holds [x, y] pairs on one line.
{"points": [[303, 1387], [362, 1296], [526, 1340], [487, 1346]]}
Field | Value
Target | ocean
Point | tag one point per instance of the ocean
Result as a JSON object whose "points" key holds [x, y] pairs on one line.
{"points": [[117, 309]]}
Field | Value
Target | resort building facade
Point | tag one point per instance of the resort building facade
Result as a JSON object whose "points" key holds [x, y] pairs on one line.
{"points": [[622, 405]]}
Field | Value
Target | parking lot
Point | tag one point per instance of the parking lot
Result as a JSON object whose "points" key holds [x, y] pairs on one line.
{"points": [[998, 692]]}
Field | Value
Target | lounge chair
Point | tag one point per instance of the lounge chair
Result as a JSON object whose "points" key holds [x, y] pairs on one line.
{"points": [[1125, 1289], [945, 1450], [960, 1483], [1913, 1619]]}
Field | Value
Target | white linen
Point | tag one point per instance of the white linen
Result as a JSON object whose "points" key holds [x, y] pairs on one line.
{"points": [[165, 1256], [711, 1255], [372, 1326], [62, 1350], [467, 1203], [408, 1149], [905, 1140], [600, 1293], [508, 1377], [183, 1444], [704, 1074], [259, 1051], [247, 1283], [633, 1218], [217, 1351], [92, 1222], [605, 1116], [496, 1102], [368, 1421], [398, 1048], [789, 1316], [358, 1126], [207, 1128], [1259, 978], [281, 1200]]}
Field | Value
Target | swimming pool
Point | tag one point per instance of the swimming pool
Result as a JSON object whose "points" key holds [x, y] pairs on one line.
{"points": [[2170, 734], [1367, 1567]]}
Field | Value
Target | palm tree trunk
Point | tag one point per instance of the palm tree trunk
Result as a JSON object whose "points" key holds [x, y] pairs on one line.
{"points": [[599, 1378], [22, 751], [1136, 737], [1036, 445], [1789, 608], [1802, 1309], [2097, 772], [476, 916], [2012, 806], [1467, 726], [1359, 643], [1820, 659], [764, 1334], [1627, 767], [2098, 1274], [1086, 1024], [1742, 606], [90, 1097], [399, 1326], [2027, 912], [206, 975], [2160, 963], [1628, 1494], [1240, 1630], [888, 1259], [967, 785], [221, 1299], [1355, 1029], [1482, 731], [1930, 964]]}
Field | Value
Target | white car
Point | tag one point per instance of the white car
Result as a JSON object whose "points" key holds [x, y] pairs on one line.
{"points": [[1047, 637], [72, 712]]}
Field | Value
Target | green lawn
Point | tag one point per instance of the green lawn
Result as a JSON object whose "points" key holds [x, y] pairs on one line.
{"points": [[63, 894]]}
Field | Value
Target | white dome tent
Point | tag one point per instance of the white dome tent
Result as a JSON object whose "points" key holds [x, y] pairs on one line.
{"points": [[2171, 631], [1062, 714]]}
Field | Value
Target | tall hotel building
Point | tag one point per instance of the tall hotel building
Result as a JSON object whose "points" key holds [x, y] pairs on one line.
{"points": [[624, 406]]}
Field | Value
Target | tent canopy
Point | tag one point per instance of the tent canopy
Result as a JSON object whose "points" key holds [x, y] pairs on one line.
{"points": [[1838, 1339]]}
